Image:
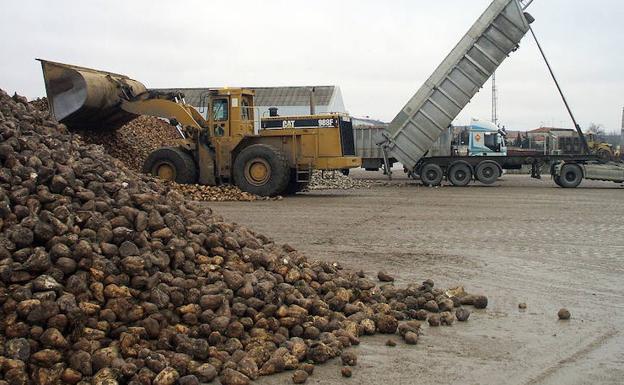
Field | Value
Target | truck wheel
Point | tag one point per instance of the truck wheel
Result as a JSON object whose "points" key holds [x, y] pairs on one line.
{"points": [[431, 174], [571, 176], [487, 172], [262, 170], [171, 164], [557, 180], [460, 174]]}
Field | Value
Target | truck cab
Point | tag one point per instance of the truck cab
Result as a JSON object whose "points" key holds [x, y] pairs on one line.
{"points": [[485, 139]]}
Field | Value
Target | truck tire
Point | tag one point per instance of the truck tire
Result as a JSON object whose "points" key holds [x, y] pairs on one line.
{"points": [[262, 170], [487, 172], [571, 176], [431, 175], [557, 180], [460, 174], [172, 164]]}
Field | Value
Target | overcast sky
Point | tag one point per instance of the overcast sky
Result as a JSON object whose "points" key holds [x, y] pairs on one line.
{"points": [[379, 53]]}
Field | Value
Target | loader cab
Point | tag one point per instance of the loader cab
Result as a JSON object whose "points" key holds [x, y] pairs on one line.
{"points": [[230, 119], [231, 113]]}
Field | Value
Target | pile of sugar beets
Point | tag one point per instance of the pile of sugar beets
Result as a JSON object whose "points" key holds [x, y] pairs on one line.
{"points": [[110, 277]]}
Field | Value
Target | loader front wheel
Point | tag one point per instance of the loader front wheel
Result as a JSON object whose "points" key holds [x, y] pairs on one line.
{"points": [[262, 170], [172, 164]]}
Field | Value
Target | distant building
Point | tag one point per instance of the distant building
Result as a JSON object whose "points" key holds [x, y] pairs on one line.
{"points": [[545, 138], [542, 132], [368, 123], [288, 100]]}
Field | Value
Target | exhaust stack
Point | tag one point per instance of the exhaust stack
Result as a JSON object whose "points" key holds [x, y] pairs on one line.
{"points": [[312, 102], [622, 137]]}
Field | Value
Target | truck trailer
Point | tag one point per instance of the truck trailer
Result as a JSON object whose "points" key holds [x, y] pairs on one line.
{"points": [[412, 135]]}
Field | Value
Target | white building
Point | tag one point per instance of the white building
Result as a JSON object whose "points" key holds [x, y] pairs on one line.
{"points": [[288, 100]]}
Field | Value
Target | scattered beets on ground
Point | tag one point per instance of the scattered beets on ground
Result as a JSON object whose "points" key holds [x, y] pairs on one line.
{"points": [[218, 193], [335, 180], [111, 277]]}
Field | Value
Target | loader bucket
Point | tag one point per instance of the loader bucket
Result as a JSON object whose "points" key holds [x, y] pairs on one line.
{"points": [[84, 98]]}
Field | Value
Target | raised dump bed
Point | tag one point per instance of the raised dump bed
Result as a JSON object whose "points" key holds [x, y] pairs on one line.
{"points": [[458, 78]]}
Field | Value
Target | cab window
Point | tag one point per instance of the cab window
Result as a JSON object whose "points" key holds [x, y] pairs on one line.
{"points": [[491, 141], [220, 110], [246, 111]]}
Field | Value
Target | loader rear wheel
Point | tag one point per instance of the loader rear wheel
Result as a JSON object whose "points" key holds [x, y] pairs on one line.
{"points": [[605, 155], [262, 170], [460, 174], [431, 175], [171, 164], [487, 172], [571, 176]]}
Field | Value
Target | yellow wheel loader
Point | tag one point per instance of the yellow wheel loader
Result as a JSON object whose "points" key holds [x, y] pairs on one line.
{"points": [[224, 147], [605, 151]]}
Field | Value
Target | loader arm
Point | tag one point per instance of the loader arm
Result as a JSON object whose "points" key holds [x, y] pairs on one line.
{"points": [[168, 109]]}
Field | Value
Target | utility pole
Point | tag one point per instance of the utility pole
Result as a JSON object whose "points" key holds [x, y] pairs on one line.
{"points": [[494, 100], [622, 136]]}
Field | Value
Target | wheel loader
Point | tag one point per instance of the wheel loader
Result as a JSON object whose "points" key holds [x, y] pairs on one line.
{"points": [[221, 148], [603, 150]]}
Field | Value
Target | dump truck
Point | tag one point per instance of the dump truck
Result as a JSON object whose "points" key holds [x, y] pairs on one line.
{"points": [[411, 135], [221, 148], [481, 139]]}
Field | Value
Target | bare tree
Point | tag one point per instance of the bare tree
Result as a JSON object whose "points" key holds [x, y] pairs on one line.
{"points": [[596, 129]]}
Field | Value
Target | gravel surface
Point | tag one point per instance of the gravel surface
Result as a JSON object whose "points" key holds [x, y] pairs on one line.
{"points": [[520, 241]]}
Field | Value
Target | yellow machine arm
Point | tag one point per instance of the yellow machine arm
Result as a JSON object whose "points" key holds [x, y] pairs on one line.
{"points": [[163, 108]]}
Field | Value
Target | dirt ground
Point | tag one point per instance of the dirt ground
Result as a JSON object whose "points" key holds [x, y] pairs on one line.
{"points": [[518, 241]]}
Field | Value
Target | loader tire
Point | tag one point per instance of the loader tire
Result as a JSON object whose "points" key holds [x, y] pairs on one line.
{"points": [[605, 155], [487, 172], [431, 175], [571, 176], [460, 174], [171, 164], [261, 170]]}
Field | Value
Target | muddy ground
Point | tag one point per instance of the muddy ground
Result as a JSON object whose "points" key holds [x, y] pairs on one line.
{"points": [[519, 241]]}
